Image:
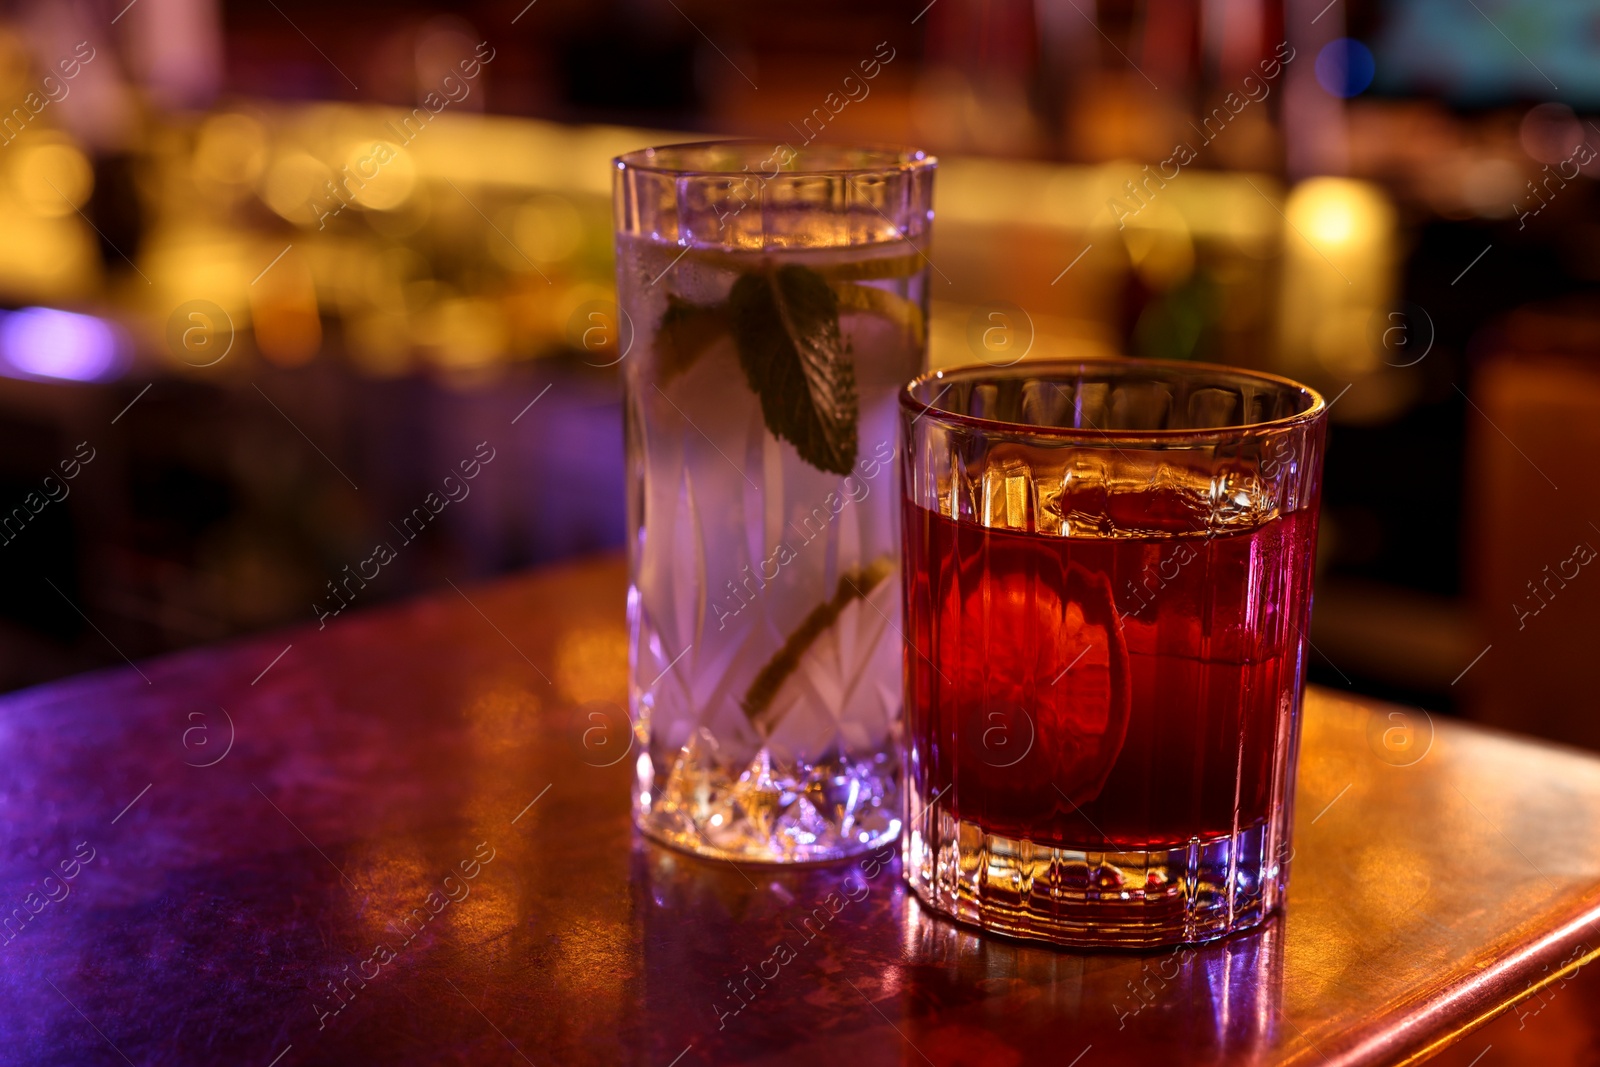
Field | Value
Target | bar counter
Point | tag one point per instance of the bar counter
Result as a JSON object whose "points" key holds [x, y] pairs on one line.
{"points": [[404, 838]]}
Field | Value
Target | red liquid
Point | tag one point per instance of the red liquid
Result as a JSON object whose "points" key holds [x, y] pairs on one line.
{"points": [[1129, 693]]}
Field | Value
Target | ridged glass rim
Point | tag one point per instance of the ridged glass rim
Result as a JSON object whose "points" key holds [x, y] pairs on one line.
{"points": [[888, 159], [1045, 368]]}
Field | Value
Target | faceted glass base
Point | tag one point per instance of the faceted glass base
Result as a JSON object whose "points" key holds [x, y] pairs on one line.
{"points": [[1137, 899], [772, 811]]}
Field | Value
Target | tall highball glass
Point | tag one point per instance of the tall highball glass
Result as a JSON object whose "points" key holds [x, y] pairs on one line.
{"points": [[1108, 583], [777, 303]]}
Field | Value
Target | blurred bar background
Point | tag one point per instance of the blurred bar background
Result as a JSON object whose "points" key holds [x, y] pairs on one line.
{"points": [[268, 272]]}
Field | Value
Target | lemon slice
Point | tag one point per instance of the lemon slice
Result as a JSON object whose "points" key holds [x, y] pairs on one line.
{"points": [[866, 268], [1045, 653], [900, 265], [897, 309]]}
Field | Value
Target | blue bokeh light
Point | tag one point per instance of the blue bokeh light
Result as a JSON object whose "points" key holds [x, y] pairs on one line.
{"points": [[1345, 67]]}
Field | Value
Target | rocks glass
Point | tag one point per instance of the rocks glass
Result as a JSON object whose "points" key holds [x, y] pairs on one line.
{"points": [[1108, 583]]}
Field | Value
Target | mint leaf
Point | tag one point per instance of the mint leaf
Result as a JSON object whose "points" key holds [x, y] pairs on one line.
{"points": [[687, 329], [853, 585], [786, 328]]}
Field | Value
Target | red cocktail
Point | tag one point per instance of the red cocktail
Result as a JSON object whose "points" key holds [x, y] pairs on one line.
{"points": [[1107, 581]]}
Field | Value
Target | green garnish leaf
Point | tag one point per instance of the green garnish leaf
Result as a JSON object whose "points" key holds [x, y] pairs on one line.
{"points": [[786, 328], [687, 329], [853, 585]]}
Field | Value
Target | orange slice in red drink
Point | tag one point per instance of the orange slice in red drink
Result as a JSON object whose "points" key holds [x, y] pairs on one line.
{"points": [[1039, 671], [1084, 715]]}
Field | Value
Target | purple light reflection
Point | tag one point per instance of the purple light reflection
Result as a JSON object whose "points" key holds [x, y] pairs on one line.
{"points": [[46, 343]]}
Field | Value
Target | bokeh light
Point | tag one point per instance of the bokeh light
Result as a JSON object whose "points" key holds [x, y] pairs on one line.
{"points": [[41, 342], [1345, 67], [296, 186], [231, 149], [51, 179]]}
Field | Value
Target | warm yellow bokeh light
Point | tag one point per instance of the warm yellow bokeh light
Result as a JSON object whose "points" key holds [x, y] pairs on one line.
{"points": [[464, 333], [386, 275], [51, 179], [230, 149], [547, 228], [46, 260], [567, 302], [295, 186], [1333, 223], [200, 261], [1338, 278], [1160, 246], [1335, 213], [380, 174]]}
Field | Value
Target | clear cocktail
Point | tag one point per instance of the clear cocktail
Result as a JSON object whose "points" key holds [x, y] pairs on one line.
{"points": [[776, 314]]}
